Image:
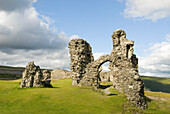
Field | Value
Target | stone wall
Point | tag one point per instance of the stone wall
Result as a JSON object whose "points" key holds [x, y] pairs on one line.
{"points": [[123, 47], [92, 71], [105, 76], [46, 78], [80, 54], [123, 66], [60, 74], [33, 77]]}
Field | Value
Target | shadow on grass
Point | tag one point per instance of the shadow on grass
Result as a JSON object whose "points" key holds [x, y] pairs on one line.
{"points": [[36, 88], [147, 99], [104, 86], [156, 86], [111, 94]]}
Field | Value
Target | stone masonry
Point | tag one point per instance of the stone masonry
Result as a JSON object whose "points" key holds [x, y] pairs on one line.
{"points": [[46, 78], [123, 66], [60, 74], [123, 47], [33, 77], [81, 55]]}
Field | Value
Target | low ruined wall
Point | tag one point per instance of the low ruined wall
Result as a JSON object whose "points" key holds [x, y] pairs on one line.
{"points": [[60, 74], [105, 76]]}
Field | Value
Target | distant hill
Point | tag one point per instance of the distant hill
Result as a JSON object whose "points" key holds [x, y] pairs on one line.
{"points": [[156, 84], [11, 67], [10, 73]]}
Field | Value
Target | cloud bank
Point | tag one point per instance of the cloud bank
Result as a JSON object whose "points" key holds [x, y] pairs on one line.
{"points": [[25, 36], [15, 5], [158, 62], [147, 9]]}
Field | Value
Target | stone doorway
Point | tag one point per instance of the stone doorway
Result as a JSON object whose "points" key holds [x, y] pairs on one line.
{"points": [[104, 72]]}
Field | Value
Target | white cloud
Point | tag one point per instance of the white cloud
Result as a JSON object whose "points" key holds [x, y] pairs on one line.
{"points": [[105, 65], [147, 9], [25, 35], [74, 37], [97, 55], [158, 62], [44, 58], [26, 30]]}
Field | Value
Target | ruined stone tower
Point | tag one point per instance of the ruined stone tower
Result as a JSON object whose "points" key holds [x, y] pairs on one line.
{"points": [[80, 54], [124, 70], [123, 47]]}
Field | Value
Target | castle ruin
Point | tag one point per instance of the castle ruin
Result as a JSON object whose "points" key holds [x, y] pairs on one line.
{"points": [[123, 66], [86, 71]]}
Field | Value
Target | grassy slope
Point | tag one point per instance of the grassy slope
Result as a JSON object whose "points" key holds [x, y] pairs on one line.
{"points": [[64, 98], [10, 75], [157, 84]]}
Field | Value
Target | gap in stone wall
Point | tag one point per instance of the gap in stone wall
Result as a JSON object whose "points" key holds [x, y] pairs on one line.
{"points": [[104, 72]]}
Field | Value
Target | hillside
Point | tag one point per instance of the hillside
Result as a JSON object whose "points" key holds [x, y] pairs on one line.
{"points": [[156, 84], [10, 73]]}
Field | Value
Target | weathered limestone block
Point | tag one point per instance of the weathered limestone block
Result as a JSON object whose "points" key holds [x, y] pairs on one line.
{"points": [[81, 55], [46, 80], [46, 74], [32, 76], [126, 79], [123, 47]]}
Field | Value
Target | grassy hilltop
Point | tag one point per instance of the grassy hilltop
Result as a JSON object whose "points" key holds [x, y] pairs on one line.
{"points": [[67, 99]]}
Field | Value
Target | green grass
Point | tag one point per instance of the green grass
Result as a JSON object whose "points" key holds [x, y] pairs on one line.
{"points": [[67, 99], [158, 79], [157, 84]]}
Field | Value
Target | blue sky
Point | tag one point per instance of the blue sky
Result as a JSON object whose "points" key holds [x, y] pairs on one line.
{"points": [[40, 30], [95, 20]]}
